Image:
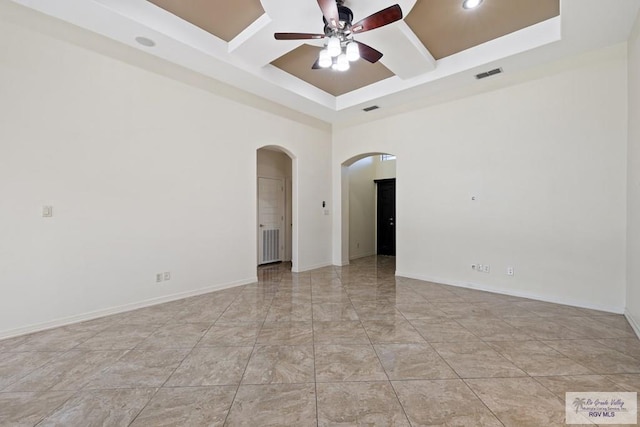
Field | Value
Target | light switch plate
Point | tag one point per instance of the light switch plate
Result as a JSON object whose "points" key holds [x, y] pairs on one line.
{"points": [[47, 211]]}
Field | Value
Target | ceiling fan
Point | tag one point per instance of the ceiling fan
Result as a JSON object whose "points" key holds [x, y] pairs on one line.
{"points": [[340, 47]]}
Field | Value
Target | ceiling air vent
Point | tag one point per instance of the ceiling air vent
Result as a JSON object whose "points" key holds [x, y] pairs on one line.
{"points": [[373, 107], [488, 73]]}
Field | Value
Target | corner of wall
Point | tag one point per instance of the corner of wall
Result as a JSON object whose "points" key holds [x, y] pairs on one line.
{"points": [[632, 311]]}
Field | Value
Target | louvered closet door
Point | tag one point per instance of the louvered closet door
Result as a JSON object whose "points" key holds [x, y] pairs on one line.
{"points": [[270, 220]]}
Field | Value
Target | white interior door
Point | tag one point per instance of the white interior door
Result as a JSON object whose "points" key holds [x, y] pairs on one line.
{"points": [[270, 220]]}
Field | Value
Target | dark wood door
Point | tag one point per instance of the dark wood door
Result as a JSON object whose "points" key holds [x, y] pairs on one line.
{"points": [[386, 216]]}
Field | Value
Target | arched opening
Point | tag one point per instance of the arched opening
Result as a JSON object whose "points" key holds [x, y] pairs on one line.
{"points": [[276, 225], [368, 217]]}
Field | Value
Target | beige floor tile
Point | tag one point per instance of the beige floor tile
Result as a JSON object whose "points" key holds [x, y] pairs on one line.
{"points": [[246, 311], [286, 333], [347, 363], [543, 328], [208, 366], [413, 362], [280, 364], [121, 337], [71, 371], [59, 339], [598, 357], [186, 407], [345, 330], [518, 402], [341, 332], [231, 334], [14, 366], [391, 331], [443, 403], [328, 312], [538, 359], [175, 335], [440, 330], [140, 369], [559, 385], [289, 312], [29, 408], [592, 327], [421, 310], [97, 408], [465, 309], [492, 329], [547, 309], [628, 346], [631, 382], [359, 404], [475, 359], [371, 310], [200, 313], [274, 405], [292, 297], [156, 314]]}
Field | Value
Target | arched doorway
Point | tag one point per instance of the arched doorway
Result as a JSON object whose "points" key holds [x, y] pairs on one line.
{"points": [[276, 231], [368, 206]]}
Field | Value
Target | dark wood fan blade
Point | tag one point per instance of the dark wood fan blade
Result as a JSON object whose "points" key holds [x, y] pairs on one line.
{"points": [[378, 19], [297, 36], [330, 11], [368, 53]]}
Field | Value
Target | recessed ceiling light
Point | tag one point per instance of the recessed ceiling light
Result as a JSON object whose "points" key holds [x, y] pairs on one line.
{"points": [[145, 41], [471, 4]]}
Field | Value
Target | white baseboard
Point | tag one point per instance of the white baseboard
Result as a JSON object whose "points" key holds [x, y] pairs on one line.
{"points": [[520, 294], [635, 323], [120, 309]]}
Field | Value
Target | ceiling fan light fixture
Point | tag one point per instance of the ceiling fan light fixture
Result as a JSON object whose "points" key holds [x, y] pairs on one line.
{"points": [[471, 4], [353, 52], [324, 59], [342, 63], [333, 47]]}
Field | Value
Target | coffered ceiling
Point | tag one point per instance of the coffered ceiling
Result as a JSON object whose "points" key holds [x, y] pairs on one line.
{"points": [[438, 46]]}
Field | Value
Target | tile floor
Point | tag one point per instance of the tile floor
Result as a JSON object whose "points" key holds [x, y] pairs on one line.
{"points": [[335, 346]]}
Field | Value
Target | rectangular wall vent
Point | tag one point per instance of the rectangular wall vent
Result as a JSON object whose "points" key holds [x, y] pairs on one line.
{"points": [[271, 245], [373, 107], [489, 73]]}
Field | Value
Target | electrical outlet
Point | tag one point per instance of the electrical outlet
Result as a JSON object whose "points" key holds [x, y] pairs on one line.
{"points": [[480, 268], [158, 277], [509, 271], [167, 275], [486, 268]]}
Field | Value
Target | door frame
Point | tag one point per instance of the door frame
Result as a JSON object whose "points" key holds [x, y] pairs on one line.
{"points": [[283, 246], [293, 229], [341, 206]]}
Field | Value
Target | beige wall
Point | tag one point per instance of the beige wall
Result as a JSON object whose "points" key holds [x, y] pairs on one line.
{"points": [[546, 161], [146, 174], [385, 169], [362, 208], [633, 170]]}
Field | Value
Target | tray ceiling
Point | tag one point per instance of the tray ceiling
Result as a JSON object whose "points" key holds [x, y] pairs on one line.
{"points": [[436, 49], [223, 19]]}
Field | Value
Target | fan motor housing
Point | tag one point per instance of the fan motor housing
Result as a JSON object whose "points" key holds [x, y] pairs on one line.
{"points": [[346, 16]]}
